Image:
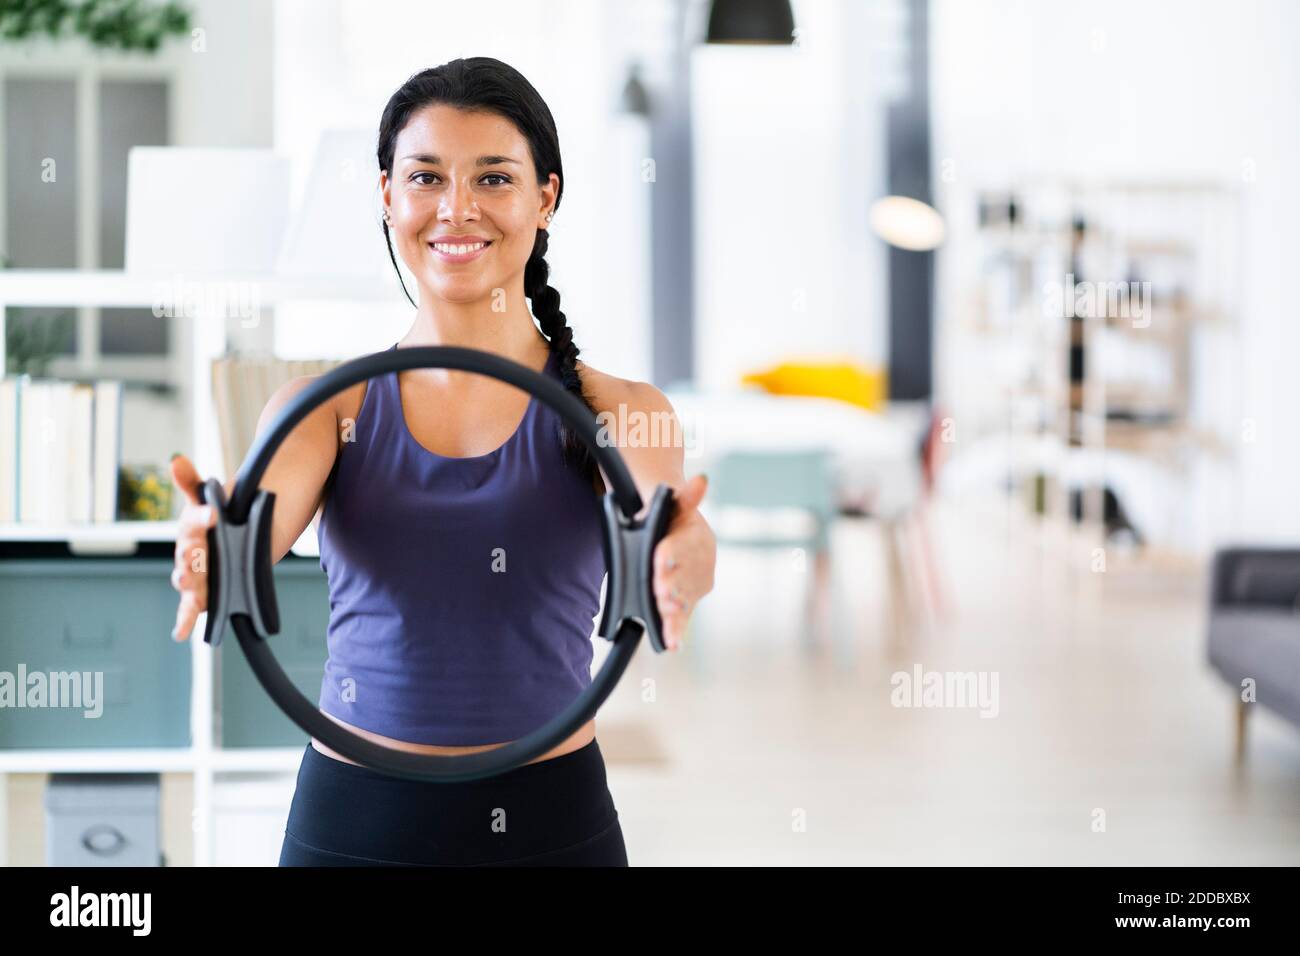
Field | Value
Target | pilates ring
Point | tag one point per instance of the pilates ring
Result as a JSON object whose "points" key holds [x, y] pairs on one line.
{"points": [[241, 589]]}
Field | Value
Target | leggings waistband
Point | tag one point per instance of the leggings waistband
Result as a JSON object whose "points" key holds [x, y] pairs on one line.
{"points": [[347, 809]]}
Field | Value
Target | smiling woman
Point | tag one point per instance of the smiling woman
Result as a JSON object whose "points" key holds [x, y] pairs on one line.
{"points": [[459, 523], [430, 650]]}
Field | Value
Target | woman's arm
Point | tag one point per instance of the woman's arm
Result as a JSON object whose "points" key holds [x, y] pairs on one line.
{"points": [[296, 474], [685, 558], [300, 466]]}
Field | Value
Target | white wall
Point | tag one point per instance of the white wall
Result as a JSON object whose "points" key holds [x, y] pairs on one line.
{"points": [[222, 97], [1146, 90], [338, 61], [788, 157]]}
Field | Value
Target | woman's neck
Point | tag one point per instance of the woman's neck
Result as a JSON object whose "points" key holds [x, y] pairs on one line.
{"points": [[512, 334]]}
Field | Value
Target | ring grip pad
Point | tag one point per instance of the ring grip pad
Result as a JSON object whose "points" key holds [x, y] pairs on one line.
{"points": [[629, 553], [239, 570]]}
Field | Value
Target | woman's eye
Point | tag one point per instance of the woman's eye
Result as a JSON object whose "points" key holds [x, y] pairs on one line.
{"points": [[415, 177]]}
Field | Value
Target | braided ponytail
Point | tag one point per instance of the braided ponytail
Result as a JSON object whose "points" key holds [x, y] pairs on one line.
{"points": [[545, 301]]}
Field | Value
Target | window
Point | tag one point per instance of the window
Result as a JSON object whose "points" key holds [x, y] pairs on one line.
{"points": [[67, 136]]}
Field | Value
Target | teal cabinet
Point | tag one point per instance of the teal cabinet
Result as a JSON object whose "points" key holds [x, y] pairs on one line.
{"points": [[86, 655], [247, 717]]}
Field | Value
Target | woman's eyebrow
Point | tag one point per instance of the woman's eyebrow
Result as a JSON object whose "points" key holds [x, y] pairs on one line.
{"points": [[434, 160]]}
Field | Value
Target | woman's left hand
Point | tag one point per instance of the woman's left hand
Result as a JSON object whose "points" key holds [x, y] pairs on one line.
{"points": [[684, 561]]}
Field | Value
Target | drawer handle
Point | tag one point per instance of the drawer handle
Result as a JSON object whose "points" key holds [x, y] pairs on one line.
{"points": [[82, 638], [103, 840]]}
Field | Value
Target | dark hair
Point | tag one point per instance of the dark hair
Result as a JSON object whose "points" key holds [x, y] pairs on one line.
{"points": [[484, 84]]}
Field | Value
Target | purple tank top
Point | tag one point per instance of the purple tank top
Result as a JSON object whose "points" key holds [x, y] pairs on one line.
{"points": [[463, 591]]}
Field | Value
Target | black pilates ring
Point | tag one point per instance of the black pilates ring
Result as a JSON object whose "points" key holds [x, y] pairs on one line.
{"points": [[241, 590]]}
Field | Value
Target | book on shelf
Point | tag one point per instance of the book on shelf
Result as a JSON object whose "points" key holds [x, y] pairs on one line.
{"points": [[60, 450], [242, 384]]}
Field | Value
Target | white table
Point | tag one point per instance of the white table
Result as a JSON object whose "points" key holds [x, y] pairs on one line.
{"points": [[875, 456]]}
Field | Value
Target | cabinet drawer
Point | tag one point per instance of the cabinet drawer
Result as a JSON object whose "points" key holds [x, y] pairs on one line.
{"points": [[102, 628], [102, 820], [248, 717]]}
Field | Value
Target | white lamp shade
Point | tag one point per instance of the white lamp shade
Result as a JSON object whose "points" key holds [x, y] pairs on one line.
{"points": [[907, 223], [197, 210]]}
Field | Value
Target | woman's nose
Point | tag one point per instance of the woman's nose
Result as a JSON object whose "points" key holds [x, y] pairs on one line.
{"points": [[458, 202]]}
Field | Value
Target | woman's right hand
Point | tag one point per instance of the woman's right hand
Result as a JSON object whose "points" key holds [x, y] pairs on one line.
{"points": [[190, 576]]}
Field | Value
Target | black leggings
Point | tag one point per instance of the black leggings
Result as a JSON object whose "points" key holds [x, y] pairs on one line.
{"points": [[555, 812]]}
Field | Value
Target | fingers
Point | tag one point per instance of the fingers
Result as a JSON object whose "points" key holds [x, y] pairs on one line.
{"points": [[688, 497], [672, 600], [673, 596], [186, 615], [186, 477], [192, 535], [190, 573], [674, 616], [194, 521], [191, 570]]}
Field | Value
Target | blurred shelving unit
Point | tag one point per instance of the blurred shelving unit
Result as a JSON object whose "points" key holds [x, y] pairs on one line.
{"points": [[201, 340], [1105, 321]]}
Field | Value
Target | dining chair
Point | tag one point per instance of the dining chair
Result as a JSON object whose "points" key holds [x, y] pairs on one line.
{"points": [[776, 480]]}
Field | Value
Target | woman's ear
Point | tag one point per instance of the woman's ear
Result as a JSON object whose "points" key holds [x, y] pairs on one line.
{"points": [[549, 193]]}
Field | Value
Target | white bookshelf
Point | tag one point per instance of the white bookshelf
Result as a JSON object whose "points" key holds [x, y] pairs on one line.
{"points": [[114, 287], [1061, 434], [151, 760], [203, 339], [115, 537], [99, 760]]}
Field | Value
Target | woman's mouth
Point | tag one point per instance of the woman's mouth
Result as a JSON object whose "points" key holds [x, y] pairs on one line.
{"points": [[458, 251]]}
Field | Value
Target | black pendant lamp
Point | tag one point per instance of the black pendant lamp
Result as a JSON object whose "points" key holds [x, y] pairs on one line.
{"points": [[750, 21]]}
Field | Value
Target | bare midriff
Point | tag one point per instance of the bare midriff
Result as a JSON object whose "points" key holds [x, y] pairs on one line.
{"points": [[580, 738]]}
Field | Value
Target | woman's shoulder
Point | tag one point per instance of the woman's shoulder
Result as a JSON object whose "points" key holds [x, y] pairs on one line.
{"points": [[337, 409], [609, 393], [640, 420]]}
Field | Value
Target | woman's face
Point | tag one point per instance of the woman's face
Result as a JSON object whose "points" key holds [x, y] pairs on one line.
{"points": [[465, 178]]}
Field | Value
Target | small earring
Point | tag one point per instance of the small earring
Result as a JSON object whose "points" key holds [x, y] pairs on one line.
{"points": [[549, 215]]}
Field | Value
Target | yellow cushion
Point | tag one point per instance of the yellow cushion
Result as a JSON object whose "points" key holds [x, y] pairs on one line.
{"points": [[847, 381]]}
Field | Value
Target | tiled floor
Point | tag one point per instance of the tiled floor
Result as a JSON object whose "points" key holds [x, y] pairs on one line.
{"points": [[1112, 741]]}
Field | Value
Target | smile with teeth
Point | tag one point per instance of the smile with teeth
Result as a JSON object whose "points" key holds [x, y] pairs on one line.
{"points": [[463, 249]]}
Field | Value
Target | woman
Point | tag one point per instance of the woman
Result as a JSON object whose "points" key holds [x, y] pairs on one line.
{"points": [[458, 518]]}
